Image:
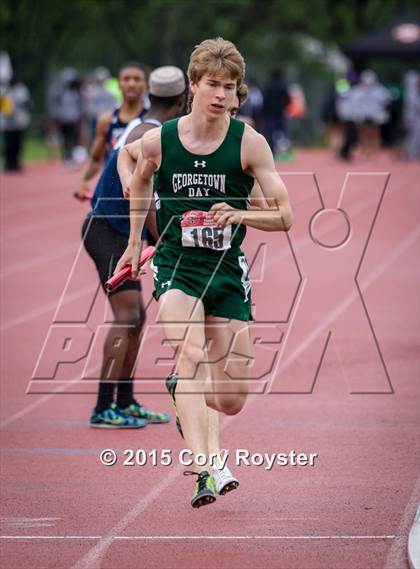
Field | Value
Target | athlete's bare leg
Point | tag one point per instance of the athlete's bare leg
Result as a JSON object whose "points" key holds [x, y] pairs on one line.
{"points": [[228, 351], [229, 357], [123, 339], [183, 319]]}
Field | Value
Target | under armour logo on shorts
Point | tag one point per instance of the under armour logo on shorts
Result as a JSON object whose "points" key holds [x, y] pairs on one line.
{"points": [[197, 164]]}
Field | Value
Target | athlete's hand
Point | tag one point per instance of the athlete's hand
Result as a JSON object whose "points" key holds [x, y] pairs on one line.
{"points": [[131, 257], [82, 193], [223, 214]]}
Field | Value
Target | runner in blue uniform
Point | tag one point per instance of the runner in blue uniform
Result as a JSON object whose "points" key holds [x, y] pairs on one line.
{"points": [[105, 233], [132, 83]]}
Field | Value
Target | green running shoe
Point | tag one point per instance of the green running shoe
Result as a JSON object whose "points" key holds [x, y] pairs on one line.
{"points": [[140, 412], [170, 383], [205, 489], [113, 418]]}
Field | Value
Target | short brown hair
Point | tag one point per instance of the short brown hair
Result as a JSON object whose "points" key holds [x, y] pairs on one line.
{"points": [[214, 56], [242, 93]]}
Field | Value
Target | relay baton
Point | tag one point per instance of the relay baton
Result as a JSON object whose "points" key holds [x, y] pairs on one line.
{"points": [[125, 273]]}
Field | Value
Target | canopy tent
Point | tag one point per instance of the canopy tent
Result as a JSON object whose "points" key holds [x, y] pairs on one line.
{"points": [[400, 38]]}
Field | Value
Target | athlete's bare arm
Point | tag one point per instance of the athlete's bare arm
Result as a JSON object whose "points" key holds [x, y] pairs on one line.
{"points": [[256, 197], [96, 155], [126, 163], [140, 196], [128, 155], [257, 160]]}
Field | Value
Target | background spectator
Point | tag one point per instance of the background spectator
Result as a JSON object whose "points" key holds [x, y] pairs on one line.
{"points": [[276, 99], [14, 120], [65, 108]]}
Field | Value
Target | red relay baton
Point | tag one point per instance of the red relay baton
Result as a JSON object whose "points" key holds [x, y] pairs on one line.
{"points": [[125, 273]]}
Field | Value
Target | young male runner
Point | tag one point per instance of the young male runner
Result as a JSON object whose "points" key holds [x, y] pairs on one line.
{"points": [[127, 158], [111, 125], [205, 161], [105, 233]]}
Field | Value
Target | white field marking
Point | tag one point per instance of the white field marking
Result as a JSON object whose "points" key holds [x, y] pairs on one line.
{"points": [[33, 206], [25, 230], [45, 308], [60, 389], [397, 554], [25, 523], [367, 281], [344, 304], [46, 199], [93, 558], [35, 261], [297, 245], [19, 520], [390, 259], [197, 537], [18, 415], [28, 522]]}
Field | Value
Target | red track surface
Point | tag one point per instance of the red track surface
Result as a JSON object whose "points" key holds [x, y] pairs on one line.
{"points": [[61, 508]]}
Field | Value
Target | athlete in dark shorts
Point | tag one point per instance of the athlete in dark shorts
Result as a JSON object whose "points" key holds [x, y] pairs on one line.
{"points": [[132, 83], [127, 159], [204, 166], [105, 235]]}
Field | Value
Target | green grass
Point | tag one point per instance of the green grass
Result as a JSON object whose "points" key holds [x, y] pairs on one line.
{"points": [[37, 150]]}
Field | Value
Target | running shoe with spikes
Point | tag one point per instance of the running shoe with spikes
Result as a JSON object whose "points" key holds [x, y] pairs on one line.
{"points": [[205, 489], [114, 418], [140, 412], [225, 481], [171, 382]]}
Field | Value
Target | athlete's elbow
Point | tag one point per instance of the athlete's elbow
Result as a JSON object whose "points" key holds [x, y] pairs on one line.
{"points": [[283, 222], [286, 218], [287, 223]]}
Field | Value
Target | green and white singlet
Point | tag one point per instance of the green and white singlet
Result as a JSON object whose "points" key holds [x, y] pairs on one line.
{"points": [[187, 181], [195, 255]]}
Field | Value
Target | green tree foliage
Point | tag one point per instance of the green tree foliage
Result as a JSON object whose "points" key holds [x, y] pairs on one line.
{"points": [[48, 34]]}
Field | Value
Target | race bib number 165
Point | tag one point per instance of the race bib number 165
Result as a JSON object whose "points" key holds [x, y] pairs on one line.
{"points": [[199, 230]]}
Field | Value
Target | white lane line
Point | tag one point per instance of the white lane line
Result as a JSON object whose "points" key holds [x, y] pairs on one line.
{"points": [[366, 282], [397, 556], [63, 387], [45, 308], [19, 232], [393, 256], [26, 523], [297, 245], [16, 416], [35, 261], [93, 558], [192, 537]]}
